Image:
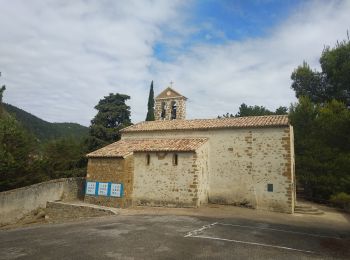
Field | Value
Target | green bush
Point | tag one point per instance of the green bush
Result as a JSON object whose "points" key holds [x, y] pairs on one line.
{"points": [[322, 147], [341, 199]]}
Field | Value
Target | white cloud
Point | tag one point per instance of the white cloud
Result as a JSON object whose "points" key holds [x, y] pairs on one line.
{"points": [[58, 58], [217, 79]]}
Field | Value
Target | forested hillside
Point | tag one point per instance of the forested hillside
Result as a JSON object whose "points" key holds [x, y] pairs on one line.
{"points": [[43, 130], [33, 150]]}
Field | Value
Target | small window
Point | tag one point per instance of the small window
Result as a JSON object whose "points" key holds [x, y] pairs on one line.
{"points": [[163, 108], [173, 110], [175, 159], [270, 187], [148, 159]]}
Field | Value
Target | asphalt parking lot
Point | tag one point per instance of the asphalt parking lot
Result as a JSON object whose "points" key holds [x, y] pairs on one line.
{"points": [[173, 237]]}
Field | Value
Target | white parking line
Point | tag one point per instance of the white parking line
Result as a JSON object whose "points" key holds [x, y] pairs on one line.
{"points": [[279, 230], [254, 243], [195, 232]]}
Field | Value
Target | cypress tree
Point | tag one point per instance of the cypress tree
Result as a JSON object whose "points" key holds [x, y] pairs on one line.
{"points": [[150, 112], [2, 89]]}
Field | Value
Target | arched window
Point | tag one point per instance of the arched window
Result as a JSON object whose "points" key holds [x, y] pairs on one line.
{"points": [[163, 112], [173, 109], [148, 159], [175, 159]]}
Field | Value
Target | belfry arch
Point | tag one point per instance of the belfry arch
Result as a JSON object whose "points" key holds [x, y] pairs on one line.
{"points": [[170, 105]]}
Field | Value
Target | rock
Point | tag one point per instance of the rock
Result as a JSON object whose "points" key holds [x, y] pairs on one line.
{"points": [[40, 214]]}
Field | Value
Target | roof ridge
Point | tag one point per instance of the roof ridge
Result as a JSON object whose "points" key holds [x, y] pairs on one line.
{"points": [[166, 90], [199, 119], [162, 138], [213, 123], [125, 147]]}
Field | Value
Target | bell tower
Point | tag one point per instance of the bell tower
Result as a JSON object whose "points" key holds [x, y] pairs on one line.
{"points": [[170, 105]]}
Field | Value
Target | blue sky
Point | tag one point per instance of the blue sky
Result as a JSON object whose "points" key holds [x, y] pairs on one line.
{"points": [[222, 21], [59, 58]]}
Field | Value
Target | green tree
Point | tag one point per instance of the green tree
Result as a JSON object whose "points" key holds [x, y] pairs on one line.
{"points": [[150, 105], [308, 83], [24, 162], [112, 116], [335, 64], [302, 116], [16, 154], [64, 158], [281, 111], [333, 82], [245, 110], [321, 123], [227, 115], [322, 147], [2, 89]]}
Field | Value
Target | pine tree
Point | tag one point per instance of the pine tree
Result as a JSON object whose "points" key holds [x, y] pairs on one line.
{"points": [[113, 115], [333, 82], [16, 149], [150, 112], [322, 147]]}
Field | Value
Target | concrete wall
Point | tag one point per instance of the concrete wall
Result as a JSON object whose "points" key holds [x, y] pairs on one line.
{"points": [[163, 184], [14, 204], [116, 170], [242, 162]]}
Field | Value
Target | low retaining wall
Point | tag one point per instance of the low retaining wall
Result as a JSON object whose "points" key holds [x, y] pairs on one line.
{"points": [[14, 204], [66, 210]]}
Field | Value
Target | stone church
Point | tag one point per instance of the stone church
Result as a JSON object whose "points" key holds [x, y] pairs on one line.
{"points": [[174, 162]]}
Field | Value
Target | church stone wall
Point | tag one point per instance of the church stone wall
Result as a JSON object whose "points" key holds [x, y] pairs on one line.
{"points": [[115, 170], [203, 173], [163, 184], [242, 162], [181, 108], [246, 162]]}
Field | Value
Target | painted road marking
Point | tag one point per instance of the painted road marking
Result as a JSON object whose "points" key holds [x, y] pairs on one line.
{"points": [[197, 234], [278, 230], [254, 243]]}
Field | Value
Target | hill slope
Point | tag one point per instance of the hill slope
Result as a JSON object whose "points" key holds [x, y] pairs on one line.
{"points": [[44, 130]]}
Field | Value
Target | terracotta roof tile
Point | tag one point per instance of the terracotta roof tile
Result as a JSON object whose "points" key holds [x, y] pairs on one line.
{"points": [[199, 124], [126, 147]]}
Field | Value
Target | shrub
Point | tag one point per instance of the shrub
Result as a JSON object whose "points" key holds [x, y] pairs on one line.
{"points": [[342, 200]]}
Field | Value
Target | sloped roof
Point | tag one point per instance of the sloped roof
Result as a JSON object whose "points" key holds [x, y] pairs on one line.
{"points": [[202, 124], [126, 147], [169, 93]]}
